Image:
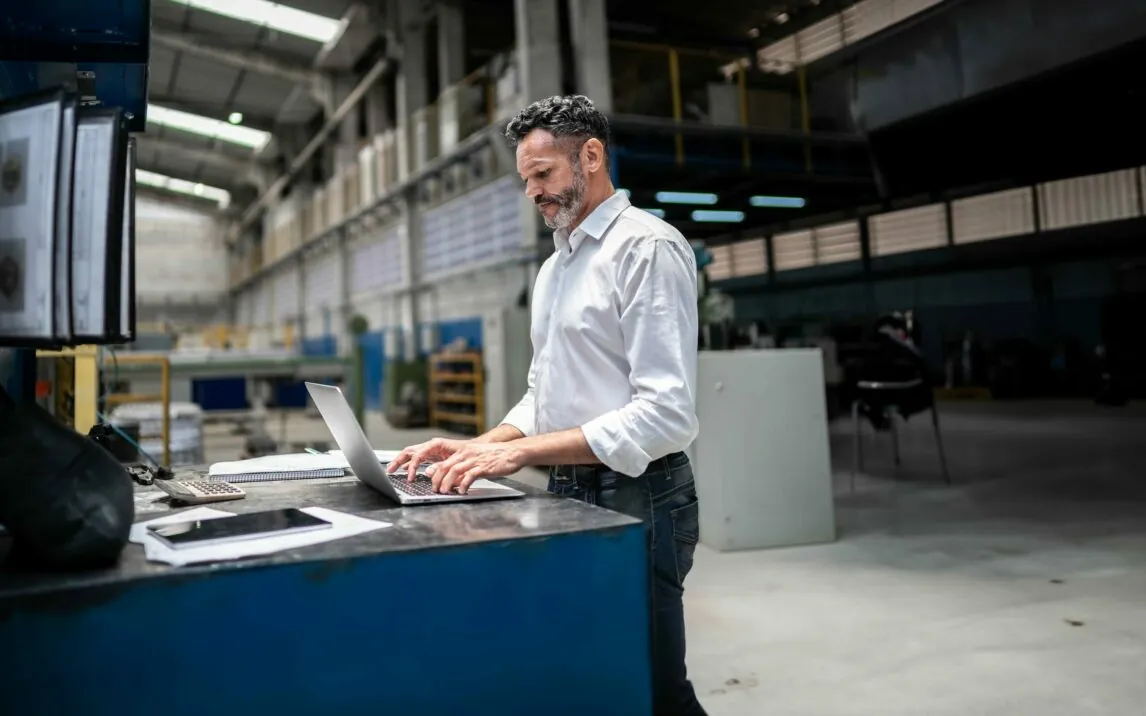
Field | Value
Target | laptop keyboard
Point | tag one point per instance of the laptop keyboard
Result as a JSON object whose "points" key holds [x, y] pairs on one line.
{"points": [[420, 487]]}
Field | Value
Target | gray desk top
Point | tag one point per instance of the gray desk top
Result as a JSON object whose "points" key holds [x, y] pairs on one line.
{"points": [[415, 528]]}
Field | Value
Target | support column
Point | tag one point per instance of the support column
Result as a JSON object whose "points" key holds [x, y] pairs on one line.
{"points": [[590, 31], [345, 310], [346, 149], [411, 233], [303, 328], [538, 48], [451, 43], [411, 85], [377, 108]]}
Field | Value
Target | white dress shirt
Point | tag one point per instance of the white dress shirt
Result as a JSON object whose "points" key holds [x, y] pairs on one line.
{"points": [[614, 331]]}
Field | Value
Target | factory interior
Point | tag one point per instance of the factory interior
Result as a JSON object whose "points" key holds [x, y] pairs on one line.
{"points": [[322, 191]]}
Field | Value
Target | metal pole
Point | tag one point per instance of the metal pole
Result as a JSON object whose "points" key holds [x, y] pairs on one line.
{"points": [[742, 82], [165, 402], [85, 396], [805, 120], [677, 103], [358, 327]]}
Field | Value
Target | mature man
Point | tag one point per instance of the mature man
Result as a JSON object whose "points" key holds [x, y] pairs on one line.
{"points": [[612, 385]]}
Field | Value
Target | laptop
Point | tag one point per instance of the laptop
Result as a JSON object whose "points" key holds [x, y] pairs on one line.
{"points": [[364, 462]]}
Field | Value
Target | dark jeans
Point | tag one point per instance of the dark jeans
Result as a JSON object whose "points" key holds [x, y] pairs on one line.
{"points": [[665, 500]]}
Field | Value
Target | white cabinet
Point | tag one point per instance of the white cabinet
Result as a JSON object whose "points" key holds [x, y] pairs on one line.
{"points": [[762, 465]]}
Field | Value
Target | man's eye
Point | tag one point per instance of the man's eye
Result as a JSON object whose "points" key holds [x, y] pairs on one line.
{"points": [[543, 174]]}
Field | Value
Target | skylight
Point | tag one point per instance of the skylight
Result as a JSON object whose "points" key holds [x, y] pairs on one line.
{"points": [[716, 215], [204, 126], [182, 186], [270, 14], [686, 197]]}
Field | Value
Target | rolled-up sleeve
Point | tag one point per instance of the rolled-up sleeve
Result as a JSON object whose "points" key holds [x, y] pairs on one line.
{"points": [[523, 416], [659, 324]]}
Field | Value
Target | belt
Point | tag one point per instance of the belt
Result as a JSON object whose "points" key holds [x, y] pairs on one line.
{"points": [[583, 472]]}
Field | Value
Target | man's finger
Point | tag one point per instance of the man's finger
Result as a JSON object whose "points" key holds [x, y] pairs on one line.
{"points": [[399, 460], [468, 479], [412, 466], [443, 468], [454, 477]]}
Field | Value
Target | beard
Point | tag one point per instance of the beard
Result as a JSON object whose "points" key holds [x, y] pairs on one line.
{"points": [[569, 202]]}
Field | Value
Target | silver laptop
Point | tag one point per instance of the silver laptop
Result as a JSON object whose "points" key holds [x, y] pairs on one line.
{"points": [[364, 462]]}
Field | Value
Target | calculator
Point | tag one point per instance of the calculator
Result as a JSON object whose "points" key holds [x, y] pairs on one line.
{"points": [[198, 492]]}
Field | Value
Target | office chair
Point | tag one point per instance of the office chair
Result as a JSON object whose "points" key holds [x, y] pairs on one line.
{"points": [[891, 380], [879, 398]]}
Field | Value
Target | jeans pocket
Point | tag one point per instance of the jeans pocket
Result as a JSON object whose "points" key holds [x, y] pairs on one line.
{"points": [[685, 533], [569, 488]]}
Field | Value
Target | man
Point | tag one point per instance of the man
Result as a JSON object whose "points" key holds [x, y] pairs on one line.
{"points": [[612, 385]]}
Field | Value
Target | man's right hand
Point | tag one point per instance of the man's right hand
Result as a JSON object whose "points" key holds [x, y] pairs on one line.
{"points": [[434, 450]]}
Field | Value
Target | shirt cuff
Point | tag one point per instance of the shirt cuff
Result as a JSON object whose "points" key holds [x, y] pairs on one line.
{"points": [[607, 440], [522, 418]]}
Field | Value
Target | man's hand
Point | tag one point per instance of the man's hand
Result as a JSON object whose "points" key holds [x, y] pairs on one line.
{"points": [[473, 462], [429, 451]]}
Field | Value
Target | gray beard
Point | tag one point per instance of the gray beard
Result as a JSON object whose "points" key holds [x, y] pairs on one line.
{"points": [[570, 207]]}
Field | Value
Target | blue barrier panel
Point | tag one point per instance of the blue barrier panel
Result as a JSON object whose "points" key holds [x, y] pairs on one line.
{"points": [[467, 328], [374, 360], [220, 393]]}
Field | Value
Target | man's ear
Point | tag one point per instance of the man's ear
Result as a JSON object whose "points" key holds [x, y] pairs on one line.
{"points": [[593, 155]]}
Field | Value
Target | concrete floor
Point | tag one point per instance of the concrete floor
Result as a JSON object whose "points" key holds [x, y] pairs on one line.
{"points": [[1018, 591]]}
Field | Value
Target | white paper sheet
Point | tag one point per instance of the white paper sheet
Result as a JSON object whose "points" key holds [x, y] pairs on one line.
{"points": [[291, 462], [342, 525]]}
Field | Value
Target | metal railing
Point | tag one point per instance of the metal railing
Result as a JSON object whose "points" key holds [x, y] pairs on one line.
{"points": [[689, 70]]}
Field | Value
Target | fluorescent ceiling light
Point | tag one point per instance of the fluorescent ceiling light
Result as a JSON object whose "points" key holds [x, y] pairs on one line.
{"points": [[686, 197], [182, 186], [269, 14], [717, 216], [778, 202], [659, 213], [204, 126]]}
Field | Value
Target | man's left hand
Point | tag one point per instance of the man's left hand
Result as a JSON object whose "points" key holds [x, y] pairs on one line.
{"points": [[475, 461]]}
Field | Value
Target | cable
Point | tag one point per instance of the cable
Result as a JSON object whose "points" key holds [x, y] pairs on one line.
{"points": [[129, 439]]}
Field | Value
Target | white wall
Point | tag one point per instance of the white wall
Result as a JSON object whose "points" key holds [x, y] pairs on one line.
{"points": [[180, 259], [474, 295]]}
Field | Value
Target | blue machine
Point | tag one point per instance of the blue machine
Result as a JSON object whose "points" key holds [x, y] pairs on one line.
{"points": [[98, 47], [529, 606]]}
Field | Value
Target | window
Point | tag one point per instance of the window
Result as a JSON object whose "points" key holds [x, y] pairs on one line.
{"points": [[993, 216], [898, 232]]}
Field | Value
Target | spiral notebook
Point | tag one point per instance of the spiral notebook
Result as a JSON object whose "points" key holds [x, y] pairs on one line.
{"points": [[300, 466]]}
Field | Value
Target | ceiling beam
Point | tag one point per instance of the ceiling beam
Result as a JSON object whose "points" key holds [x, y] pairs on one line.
{"points": [[334, 120], [245, 170], [186, 200], [187, 173], [316, 82], [211, 110]]}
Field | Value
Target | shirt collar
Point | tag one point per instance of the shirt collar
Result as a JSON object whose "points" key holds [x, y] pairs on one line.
{"points": [[595, 224]]}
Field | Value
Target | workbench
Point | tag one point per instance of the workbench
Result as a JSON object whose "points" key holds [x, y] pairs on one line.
{"points": [[528, 606]]}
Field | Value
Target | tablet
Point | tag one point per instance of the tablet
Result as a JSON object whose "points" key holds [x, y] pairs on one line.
{"points": [[252, 525]]}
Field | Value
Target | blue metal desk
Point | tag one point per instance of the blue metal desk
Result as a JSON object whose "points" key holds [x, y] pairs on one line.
{"points": [[534, 606]]}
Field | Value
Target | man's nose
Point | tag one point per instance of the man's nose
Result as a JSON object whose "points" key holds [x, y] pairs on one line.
{"points": [[532, 189]]}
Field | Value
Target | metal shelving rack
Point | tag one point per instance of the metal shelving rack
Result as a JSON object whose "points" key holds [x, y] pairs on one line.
{"points": [[100, 49], [457, 386]]}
